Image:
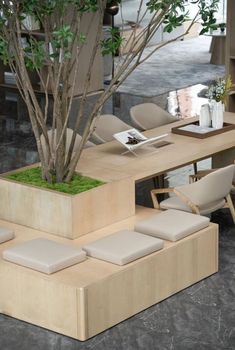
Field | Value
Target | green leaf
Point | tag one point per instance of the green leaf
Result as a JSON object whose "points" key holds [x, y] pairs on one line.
{"points": [[35, 54], [82, 38], [112, 44]]}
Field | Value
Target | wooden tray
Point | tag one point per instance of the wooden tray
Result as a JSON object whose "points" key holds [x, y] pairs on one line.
{"points": [[178, 130]]}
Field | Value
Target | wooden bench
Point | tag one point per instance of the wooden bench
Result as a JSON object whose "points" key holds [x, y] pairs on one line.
{"points": [[86, 299]]}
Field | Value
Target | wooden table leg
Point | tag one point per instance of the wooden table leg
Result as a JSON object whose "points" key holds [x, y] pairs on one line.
{"points": [[218, 50]]}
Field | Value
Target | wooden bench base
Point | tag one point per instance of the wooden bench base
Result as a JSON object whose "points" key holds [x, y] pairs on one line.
{"points": [[88, 298]]}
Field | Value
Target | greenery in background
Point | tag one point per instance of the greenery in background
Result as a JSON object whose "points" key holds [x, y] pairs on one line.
{"points": [[59, 48], [219, 91], [222, 26], [207, 12], [77, 185], [112, 44], [176, 14]]}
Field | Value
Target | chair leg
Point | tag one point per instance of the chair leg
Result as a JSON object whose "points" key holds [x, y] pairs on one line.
{"points": [[195, 168], [158, 181], [230, 206], [155, 182], [191, 179]]}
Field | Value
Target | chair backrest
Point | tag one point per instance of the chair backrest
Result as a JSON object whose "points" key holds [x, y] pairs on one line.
{"points": [[107, 125], [147, 116], [212, 187], [68, 140]]}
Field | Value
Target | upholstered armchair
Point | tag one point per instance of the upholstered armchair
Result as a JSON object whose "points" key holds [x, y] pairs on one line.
{"points": [[204, 196]]}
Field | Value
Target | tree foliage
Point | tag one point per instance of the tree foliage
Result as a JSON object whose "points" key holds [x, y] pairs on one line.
{"points": [[59, 45]]}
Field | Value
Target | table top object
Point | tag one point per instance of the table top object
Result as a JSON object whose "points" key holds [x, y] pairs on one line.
{"points": [[201, 132]]}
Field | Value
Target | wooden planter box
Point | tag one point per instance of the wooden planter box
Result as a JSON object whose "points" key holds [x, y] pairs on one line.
{"points": [[66, 215]]}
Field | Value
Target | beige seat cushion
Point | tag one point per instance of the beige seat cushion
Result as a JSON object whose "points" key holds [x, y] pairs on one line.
{"points": [[172, 224], [6, 234], [44, 255], [123, 247], [176, 203]]}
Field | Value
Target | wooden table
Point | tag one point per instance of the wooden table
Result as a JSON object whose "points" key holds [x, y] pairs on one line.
{"points": [[106, 162]]}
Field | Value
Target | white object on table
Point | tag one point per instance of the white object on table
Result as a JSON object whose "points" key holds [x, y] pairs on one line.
{"points": [[205, 116], [217, 114], [124, 137]]}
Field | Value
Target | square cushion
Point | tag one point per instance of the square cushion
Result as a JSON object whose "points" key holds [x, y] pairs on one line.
{"points": [[6, 234], [123, 247], [172, 225], [44, 255]]}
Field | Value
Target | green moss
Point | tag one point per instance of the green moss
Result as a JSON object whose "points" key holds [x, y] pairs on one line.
{"points": [[77, 185]]}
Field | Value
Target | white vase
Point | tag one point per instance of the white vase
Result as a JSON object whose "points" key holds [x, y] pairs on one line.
{"points": [[217, 114], [205, 116]]}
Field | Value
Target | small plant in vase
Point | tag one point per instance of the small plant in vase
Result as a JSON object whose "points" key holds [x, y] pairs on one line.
{"points": [[220, 90], [222, 27], [217, 95]]}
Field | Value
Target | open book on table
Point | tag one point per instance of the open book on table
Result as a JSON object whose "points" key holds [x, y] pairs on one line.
{"points": [[133, 139]]}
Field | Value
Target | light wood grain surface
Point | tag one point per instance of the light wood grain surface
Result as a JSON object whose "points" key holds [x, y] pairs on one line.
{"points": [[89, 297], [106, 160], [66, 215]]}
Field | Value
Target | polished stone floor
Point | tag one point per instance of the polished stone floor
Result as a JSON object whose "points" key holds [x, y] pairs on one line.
{"points": [[201, 317], [174, 66]]}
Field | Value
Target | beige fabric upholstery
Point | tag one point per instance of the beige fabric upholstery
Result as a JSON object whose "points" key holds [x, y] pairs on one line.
{"points": [[201, 173], [207, 194], [172, 225], [123, 247], [106, 126], [213, 187], [6, 234], [68, 140], [44, 255], [147, 116], [176, 203]]}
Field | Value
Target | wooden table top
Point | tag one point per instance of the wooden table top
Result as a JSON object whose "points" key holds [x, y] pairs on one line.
{"points": [[107, 162]]}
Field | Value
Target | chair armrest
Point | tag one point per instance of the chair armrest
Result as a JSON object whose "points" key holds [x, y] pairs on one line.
{"points": [[182, 197], [187, 201], [157, 191]]}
